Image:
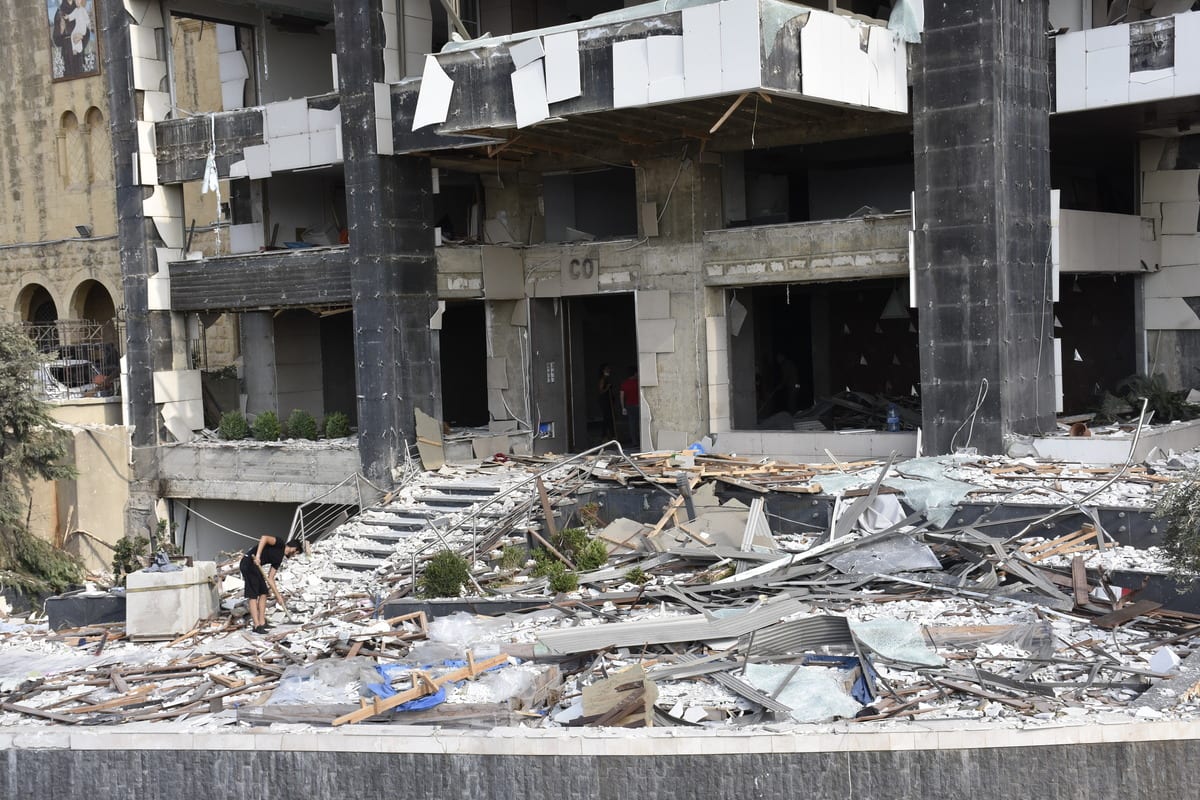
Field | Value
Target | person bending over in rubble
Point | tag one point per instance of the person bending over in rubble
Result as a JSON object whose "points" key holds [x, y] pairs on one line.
{"points": [[268, 554]]}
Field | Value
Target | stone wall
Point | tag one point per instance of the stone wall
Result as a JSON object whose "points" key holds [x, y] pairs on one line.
{"points": [[922, 761]]}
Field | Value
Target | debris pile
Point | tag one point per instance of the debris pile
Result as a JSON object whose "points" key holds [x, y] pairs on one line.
{"points": [[709, 602]]}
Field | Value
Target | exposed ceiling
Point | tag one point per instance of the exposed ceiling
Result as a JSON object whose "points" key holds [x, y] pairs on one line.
{"points": [[754, 121]]}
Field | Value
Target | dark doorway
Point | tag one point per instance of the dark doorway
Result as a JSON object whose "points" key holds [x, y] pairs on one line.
{"points": [[1094, 318], [800, 345], [463, 343], [337, 364], [601, 331]]}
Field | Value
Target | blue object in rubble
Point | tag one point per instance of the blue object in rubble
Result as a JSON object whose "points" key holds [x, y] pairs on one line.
{"points": [[893, 417]]}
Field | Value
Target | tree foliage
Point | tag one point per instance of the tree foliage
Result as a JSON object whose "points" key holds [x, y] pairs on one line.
{"points": [[32, 447], [1179, 507]]}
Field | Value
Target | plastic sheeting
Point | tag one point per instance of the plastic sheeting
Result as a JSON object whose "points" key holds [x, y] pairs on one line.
{"points": [[814, 694], [908, 19], [463, 630], [327, 682], [897, 640]]}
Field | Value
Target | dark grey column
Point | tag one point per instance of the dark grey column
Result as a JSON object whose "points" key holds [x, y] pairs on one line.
{"points": [[393, 271], [981, 136], [147, 333]]}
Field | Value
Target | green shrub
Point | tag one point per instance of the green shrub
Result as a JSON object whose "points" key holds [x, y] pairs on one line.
{"points": [[301, 425], [563, 580], [266, 427], [337, 426], [570, 541], [444, 575], [512, 558], [592, 555], [545, 563], [233, 426], [126, 556], [638, 575]]}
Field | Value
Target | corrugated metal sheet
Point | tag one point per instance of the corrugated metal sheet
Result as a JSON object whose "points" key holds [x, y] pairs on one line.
{"points": [[800, 636]]}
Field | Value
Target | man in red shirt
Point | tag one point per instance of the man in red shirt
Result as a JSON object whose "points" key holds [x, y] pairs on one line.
{"points": [[630, 406]]}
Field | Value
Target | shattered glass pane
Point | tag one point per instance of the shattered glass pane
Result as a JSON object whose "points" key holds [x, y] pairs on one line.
{"points": [[897, 554], [896, 640], [814, 694]]}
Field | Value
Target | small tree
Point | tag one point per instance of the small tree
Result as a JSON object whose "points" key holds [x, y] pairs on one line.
{"points": [[301, 425], [32, 446], [233, 426], [444, 575], [337, 426], [266, 427], [1179, 507]]}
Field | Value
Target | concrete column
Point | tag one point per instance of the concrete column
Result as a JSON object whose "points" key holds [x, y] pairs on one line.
{"points": [[258, 362], [147, 333], [686, 191], [393, 273], [981, 140]]}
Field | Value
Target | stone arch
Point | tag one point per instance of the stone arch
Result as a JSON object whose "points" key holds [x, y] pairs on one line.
{"points": [[93, 301], [99, 146], [36, 307], [72, 152]]}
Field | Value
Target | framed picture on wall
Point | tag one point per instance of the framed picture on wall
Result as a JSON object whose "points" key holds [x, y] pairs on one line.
{"points": [[74, 40]]}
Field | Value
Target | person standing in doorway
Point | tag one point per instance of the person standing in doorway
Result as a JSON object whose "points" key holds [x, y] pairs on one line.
{"points": [[258, 567], [631, 406], [608, 403]]}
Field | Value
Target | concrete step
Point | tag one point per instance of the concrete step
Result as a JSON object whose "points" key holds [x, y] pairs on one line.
{"points": [[371, 549], [399, 523], [360, 564], [389, 534]]}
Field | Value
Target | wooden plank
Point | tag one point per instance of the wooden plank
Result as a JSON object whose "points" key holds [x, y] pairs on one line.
{"points": [[37, 712], [136, 696], [422, 688], [1079, 582], [1127, 612], [547, 510]]}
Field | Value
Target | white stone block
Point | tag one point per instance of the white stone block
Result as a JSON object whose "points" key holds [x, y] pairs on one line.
{"points": [[176, 385], [1070, 71], [289, 152], [286, 118], [188, 412], [162, 605], [258, 161], [324, 148], [247, 238]]}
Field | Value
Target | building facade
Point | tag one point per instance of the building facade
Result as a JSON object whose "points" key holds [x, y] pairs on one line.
{"points": [[783, 218]]}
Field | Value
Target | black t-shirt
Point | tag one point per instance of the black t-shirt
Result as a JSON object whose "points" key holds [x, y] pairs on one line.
{"points": [[272, 554]]}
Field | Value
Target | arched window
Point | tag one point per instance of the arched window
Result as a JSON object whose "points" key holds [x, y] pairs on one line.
{"points": [[37, 309], [72, 152], [100, 157]]}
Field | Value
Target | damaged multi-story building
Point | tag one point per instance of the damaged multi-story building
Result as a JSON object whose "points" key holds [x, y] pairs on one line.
{"points": [[981, 213]]}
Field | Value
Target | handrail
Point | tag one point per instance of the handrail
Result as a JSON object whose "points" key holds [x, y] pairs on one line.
{"points": [[500, 496], [298, 525]]}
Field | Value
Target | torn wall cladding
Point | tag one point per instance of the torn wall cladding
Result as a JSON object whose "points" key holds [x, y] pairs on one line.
{"points": [[1154, 59], [648, 58]]}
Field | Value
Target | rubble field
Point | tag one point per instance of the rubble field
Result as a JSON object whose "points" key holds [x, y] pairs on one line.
{"points": [[710, 609]]}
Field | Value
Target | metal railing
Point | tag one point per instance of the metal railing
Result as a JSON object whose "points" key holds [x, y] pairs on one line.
{"points": [[314, 517], [79, 358]]}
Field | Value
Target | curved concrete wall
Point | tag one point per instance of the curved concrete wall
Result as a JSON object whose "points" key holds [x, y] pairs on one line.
{"points": [[930, 760]]}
